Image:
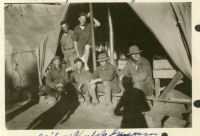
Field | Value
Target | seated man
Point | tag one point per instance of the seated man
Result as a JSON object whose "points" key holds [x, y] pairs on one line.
{"points": [[66, 70], [104, 80], [54, 82], [81, 78], [140, 71]]}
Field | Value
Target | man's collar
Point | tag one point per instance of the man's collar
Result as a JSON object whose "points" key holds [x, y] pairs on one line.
{"points": [[105, 67], [82, 27]]}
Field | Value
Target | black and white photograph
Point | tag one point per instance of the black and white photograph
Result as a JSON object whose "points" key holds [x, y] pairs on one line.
{"points": [[98, 65]]}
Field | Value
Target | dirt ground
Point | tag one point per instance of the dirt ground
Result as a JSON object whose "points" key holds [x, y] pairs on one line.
{"points": [[68, 113], [63, 116]]}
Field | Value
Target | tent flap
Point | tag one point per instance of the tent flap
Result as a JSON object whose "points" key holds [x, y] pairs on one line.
{"points": [[160, 19]]}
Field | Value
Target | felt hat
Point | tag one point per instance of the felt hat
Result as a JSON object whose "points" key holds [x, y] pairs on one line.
{"points": [[102, 57], [134, 49], [82, 14], [77, 60]]}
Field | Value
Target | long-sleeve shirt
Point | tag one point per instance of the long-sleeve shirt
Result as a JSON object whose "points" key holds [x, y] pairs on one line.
{"points": [[141, 75], [81, 77], [54, 77], [107, 73], [66, 41]]}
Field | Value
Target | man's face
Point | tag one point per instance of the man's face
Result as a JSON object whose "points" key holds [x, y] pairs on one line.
{"points": [[63, 65], [103, 63], [56, 63], [79, 65], [82, 20], [65, 28], [135, 57]]}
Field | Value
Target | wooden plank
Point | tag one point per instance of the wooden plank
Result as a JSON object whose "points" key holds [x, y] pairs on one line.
{"points": [[172, 84], [157, 87], [170, 100], [164, 73], [162, 64]]}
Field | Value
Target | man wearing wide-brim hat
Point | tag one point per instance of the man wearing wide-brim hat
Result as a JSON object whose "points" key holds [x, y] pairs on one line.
{"points": [[104, 79], [140, 71]]}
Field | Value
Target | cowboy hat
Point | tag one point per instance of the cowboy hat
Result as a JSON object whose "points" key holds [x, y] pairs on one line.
{"points": [[134, 49], [102, 57]]}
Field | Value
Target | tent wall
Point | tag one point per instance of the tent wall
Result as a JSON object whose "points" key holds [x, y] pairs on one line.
{"points": [[26, 29], [160, 19], [21, 71]]}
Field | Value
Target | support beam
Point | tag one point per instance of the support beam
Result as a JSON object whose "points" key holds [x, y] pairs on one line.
{"points": [[172, 84], [93, 38], [170, 100], [157, 87]]}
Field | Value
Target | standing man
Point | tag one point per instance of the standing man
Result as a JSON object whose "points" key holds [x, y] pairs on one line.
{"points": [[67, 44], [140, 71], [82, 38], [54, 82], [105, 80]]}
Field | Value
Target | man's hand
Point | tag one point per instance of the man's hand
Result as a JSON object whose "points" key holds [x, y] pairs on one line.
{"points": [[59, 85], [94, 81], [68, 69], [121, 77], [77, 55], [88, 14], [80, 86]]}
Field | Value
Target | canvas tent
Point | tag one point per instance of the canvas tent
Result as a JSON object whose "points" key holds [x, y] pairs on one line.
{"points": [[32, 35]]}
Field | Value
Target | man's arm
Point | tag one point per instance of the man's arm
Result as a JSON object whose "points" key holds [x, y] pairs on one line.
{"points": [[96, 22], [93, 81], [76, 49], [49, 81], [125, 71]]}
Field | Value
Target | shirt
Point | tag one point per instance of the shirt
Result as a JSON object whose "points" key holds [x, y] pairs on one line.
{"points": [[54, 77], [66, 41], [83, 37], [141, 74], [81, 77], [107, 73]]}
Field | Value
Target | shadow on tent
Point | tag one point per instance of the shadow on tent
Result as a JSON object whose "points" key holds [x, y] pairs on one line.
{"points": [[58, 113]]}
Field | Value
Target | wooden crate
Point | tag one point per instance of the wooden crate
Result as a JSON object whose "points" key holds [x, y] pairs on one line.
{"points": [[164, 73], [162, 65], [121, 63]]}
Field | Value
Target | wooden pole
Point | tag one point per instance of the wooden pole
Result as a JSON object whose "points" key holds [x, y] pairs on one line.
{"points": [[38, 66], [111, 38], [93, 38]]}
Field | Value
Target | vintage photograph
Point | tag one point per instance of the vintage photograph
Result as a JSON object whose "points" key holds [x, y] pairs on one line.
{"points": [[98, 65]]}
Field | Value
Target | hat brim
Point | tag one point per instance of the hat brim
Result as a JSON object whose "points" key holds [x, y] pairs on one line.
{"points": [[131, 53], [104, 59]]}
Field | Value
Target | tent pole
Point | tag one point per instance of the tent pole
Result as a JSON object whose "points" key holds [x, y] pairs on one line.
{"points": [[111, 38], [93, 38], [38, 66]]}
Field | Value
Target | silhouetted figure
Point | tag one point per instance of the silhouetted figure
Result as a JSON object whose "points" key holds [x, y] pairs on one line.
{"points": [[131, 106]]}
